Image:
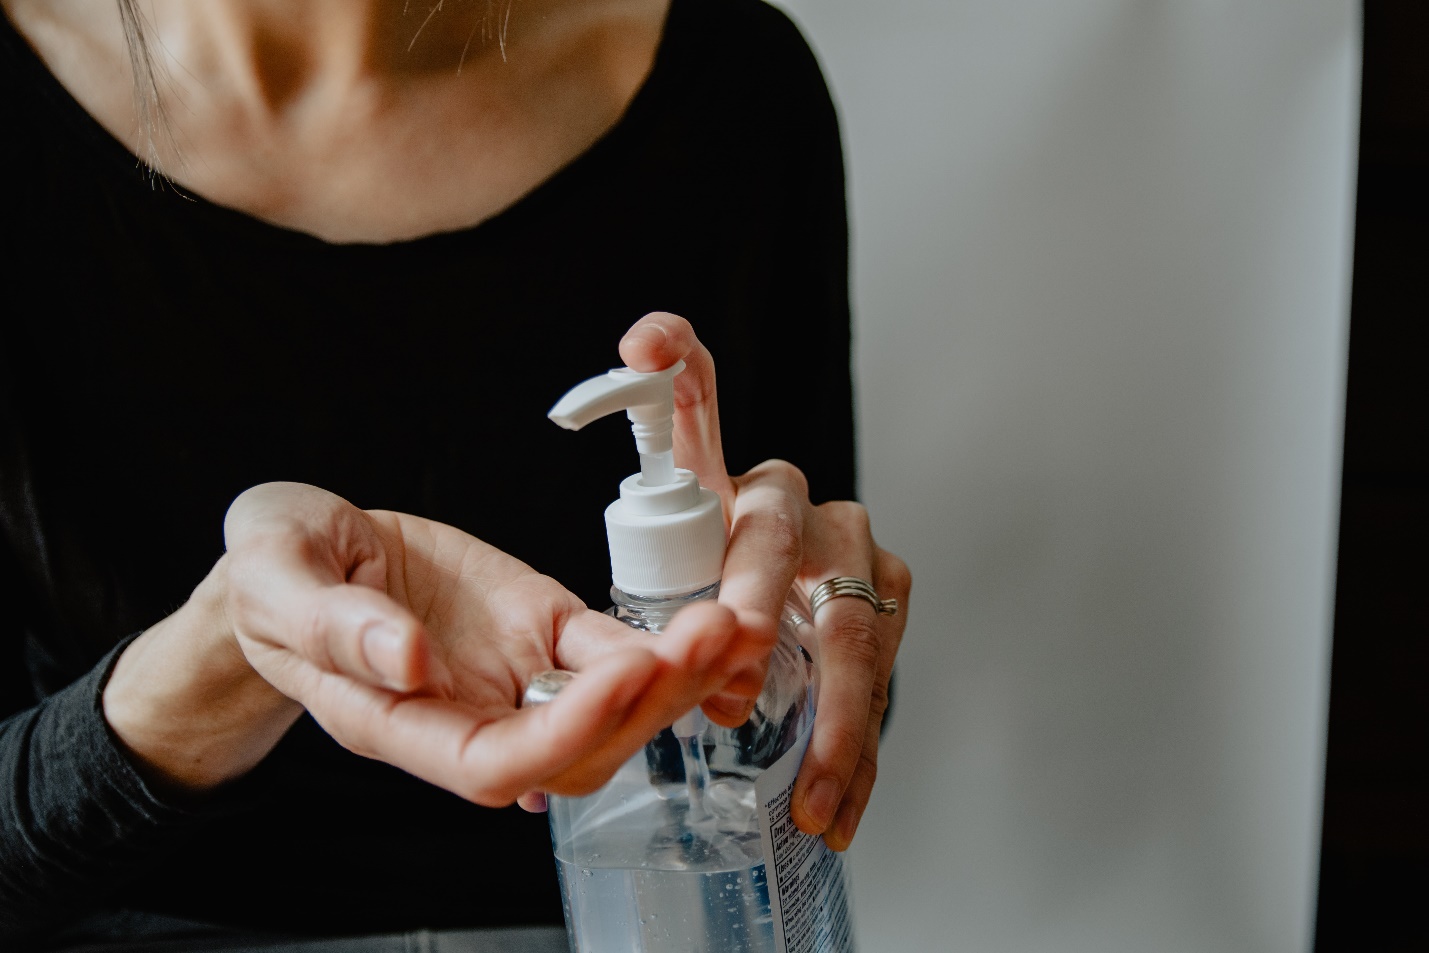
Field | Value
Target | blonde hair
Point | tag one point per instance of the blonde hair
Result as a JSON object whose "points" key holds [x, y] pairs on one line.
{"points": [[149, 106]]}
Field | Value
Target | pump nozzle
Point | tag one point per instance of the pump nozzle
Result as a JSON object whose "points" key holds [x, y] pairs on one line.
{"points": [[648, 399]]}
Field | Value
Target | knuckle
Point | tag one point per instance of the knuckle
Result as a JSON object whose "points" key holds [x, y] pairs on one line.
{"points": [[797, 482], [778, 532], [784, 474], [850, 514]]}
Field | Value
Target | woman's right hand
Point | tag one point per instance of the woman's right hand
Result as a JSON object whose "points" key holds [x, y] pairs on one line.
{"points": [[408, 641]]}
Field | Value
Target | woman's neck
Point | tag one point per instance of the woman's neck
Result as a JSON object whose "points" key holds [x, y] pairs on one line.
{"points": [[273, 55], [358, 120]]}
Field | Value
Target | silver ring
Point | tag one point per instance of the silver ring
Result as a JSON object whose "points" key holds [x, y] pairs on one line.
{"points": [[851, 586]]}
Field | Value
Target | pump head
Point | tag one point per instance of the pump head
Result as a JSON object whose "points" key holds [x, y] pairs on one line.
{"points": [[666, 532], [648, 399]]}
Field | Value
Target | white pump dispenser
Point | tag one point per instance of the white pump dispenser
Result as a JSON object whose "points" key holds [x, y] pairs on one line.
{"points": [[666, 532]]}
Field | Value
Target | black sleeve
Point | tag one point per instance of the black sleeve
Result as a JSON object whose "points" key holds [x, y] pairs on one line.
{"points": [[75, 817]]}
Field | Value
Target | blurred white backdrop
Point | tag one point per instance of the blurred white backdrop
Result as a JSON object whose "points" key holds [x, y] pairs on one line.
{"points": [[1101, 288]]}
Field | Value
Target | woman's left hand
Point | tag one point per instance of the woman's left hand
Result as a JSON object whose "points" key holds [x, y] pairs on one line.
{"points": [[778, 540]]}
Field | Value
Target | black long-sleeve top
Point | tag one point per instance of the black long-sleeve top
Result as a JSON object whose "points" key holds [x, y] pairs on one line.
{"points": [[161, 353]]}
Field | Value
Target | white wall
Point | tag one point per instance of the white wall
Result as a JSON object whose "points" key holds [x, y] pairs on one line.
{"points": [[1101, 285]]}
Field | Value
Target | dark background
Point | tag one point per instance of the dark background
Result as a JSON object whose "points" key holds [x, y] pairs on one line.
{"points": [[1374, 860]]}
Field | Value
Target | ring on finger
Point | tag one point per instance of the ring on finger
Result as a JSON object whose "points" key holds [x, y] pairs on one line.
{"points": [[851, 586]]}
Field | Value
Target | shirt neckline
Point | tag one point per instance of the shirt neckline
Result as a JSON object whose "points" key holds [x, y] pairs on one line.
{"points": [[111, 152]]}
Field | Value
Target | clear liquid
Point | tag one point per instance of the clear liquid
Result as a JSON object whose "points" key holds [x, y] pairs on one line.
{"points": [[697, 777], [624, 910]]}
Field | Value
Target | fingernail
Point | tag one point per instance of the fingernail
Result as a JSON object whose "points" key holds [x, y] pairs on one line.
{"points": [[655, 334], [385, 651], [820, 802]]}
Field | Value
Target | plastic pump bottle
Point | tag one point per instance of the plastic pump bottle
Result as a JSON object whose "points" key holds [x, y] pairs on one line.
{"points": [[690, 848]]}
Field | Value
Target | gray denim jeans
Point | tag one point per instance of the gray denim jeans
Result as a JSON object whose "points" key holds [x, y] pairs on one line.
{"points": [[506, 940], [175, 936]]}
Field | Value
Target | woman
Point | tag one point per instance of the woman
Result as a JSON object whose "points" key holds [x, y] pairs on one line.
{"points": [[381, 242]]}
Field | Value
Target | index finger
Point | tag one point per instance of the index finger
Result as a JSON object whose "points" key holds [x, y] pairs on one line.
{"points": [[656, 342]]}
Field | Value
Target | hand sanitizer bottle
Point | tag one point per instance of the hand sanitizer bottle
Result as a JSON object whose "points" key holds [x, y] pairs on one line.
{"points": [[690, 848]]}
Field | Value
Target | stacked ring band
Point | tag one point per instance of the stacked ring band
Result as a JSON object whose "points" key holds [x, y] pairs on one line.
{"points": [[851, 586]]}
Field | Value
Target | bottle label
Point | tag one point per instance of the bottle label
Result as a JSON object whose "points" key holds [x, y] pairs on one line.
{"points": [[808, 892]]}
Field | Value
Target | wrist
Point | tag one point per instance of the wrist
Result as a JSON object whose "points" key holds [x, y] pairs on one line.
{"points": [[185, 703]]}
